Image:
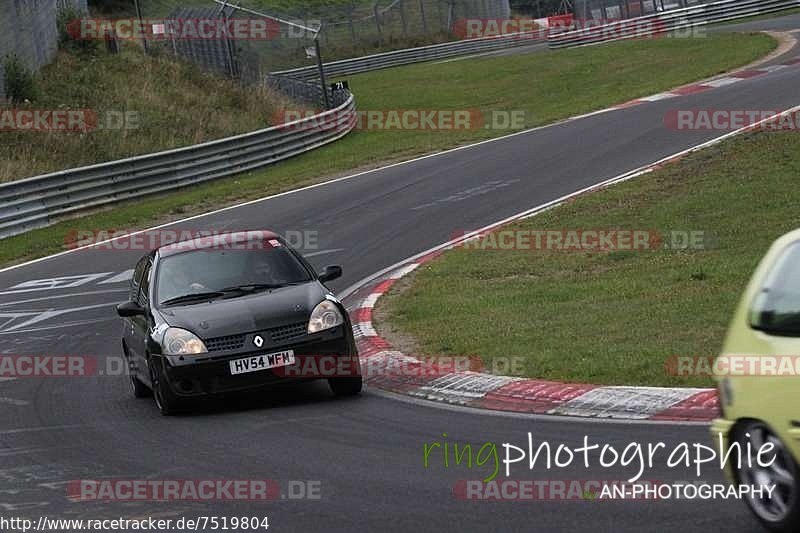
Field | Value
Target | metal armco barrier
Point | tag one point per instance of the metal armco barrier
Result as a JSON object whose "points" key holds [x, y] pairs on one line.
{"points": [[415, 55], [667, 22], [42, 200]]}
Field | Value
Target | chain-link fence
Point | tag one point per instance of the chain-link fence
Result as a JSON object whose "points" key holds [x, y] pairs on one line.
{"points": [[350, 28], [28, 32], [624, 9]]}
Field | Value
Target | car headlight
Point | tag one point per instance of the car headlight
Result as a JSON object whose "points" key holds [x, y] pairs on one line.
{"points": [[178, 341], [325, 316]]}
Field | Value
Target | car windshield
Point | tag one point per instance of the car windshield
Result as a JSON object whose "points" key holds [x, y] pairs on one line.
{"points": [[777, 306], [215, 273]]}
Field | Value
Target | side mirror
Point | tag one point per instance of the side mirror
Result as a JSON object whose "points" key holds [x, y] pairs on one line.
{"points": [[331, 272], [128, 309]]}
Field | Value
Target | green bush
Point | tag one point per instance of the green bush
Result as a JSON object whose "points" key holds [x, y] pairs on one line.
{"points": [[19, 81], [65, 39]]}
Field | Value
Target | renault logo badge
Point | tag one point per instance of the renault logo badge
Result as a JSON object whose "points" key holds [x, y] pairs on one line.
{"points": [[258, 340]]}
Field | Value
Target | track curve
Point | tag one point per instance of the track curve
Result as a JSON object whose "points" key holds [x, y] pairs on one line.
{"points": [[367, 452]]}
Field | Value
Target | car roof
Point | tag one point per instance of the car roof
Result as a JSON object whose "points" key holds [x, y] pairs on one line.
{"points": [[221, 240]]}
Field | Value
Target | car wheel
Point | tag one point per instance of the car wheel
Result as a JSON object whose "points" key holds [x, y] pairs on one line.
{"points": [[349, 386], [781, 511], [164, 398]]}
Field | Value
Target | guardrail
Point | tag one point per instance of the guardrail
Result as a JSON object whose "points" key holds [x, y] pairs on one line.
{"points": [[667, 22], [407, 56], [42, 200]]}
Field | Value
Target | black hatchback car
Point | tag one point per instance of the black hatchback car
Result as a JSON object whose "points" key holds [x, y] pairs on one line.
{"points": [[229, 313]]}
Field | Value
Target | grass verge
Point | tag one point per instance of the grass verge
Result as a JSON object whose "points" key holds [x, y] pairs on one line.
{"points": [[615, 318], [168, 104], [546, 87]]}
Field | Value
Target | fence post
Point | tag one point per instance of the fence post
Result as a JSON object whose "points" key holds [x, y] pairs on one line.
{"points": [[350, 24], [325, 97], [422, 15], [377, 15], [403, 18], [450, 8], [141, 24]]}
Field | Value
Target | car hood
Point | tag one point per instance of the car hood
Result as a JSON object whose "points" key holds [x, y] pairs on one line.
{"points": [[244, 314]]}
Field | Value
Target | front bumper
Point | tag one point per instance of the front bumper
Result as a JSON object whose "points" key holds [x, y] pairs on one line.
{"points": [[210, 375]]}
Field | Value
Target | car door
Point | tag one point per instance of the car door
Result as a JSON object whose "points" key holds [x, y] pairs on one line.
{"points": [[133, 295], [140, 324], [777, 303]]}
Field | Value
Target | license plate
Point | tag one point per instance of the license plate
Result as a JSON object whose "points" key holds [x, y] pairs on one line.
{"points": [[254, 363]]}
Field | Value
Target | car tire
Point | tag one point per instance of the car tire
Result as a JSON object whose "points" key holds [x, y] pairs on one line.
{"points": [[781, 512], [346, 386], [166, 401]]}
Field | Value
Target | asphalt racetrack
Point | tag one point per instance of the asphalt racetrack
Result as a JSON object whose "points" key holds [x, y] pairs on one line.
{"points": [[364, 454]]}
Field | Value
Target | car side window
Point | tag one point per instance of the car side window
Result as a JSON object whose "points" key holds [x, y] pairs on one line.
{"points": [[776, 308], [144, 290], [136, 279]]}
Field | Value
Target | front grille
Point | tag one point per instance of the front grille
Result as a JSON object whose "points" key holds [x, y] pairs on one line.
{"points": [[230, 342], [286, 333], [278, 335]]}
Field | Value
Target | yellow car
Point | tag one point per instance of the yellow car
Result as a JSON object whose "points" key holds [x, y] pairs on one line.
{"points": [[758, 376]]}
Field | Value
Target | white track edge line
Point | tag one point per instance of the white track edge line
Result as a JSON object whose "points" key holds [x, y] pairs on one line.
{"points": [[552, 203]]}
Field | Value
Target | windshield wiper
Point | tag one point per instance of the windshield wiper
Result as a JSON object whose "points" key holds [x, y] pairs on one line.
{"points": [[254, 287], [245, 288], [193, 296]]}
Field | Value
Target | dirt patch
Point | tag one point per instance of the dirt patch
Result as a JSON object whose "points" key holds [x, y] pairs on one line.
{"points": [[381, 320]]}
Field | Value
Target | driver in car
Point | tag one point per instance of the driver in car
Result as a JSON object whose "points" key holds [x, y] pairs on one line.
{"points": [[177, 282]]}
